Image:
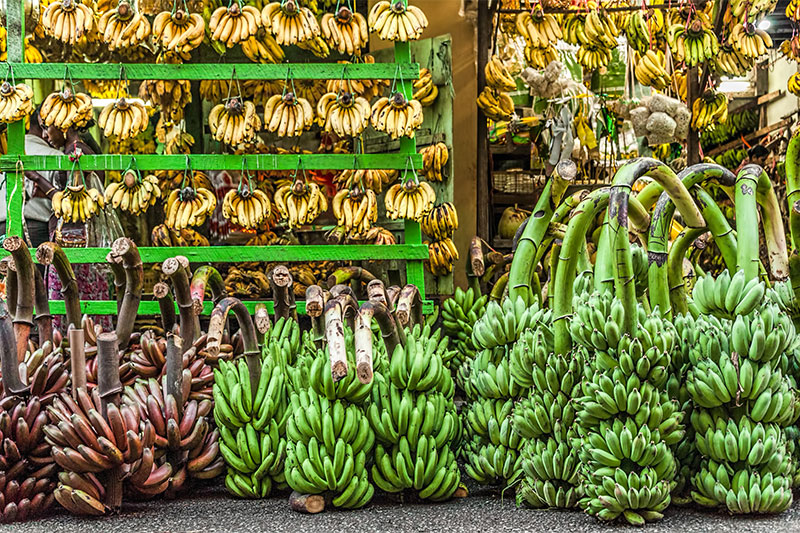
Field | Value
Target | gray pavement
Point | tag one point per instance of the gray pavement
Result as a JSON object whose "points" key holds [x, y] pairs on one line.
{"points": [[212, 510]]}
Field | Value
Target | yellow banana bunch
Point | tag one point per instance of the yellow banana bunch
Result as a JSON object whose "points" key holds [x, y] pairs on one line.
{"points": [[374, 179], [311, 90], [394, 21], [344, 114], [66, 109], [651, 69], [316, 45], [497, 75], [678, 85], [793, 10], [262, 48], [731, 62], [168, 180], [694, 43], [600, 29], [379, 235], [711, 108], [440, 222], [592, 58], [32, 53], [791, 48], [369, 89], [68, 20], [585, 133], [539, 58], [172, 96], [214, 91], [442, 255], [122, 27], [189, 207], [3, 44], [409, 200], [123, 119], [425, 91], [290, 23], [346, 31], [496, 106], [434, 161], [637, 32], [234, 24], [396, 116], [572, 29], [179, 142], [288, 115], [300, 203], [247, 207], [163, 236], [179, 32], [749, 40], [538, 29], [16, 102], [261, 90], [234, 122], [355, 209], [76, 203], [133, 194], [102, 88], [794, 84]]}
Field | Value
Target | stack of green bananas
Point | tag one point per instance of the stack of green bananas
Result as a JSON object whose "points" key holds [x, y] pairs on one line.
{"points": [[738, 122], [545, 421], [627, 421], [285, 330], [251, 420], [459, 315], [731, 158], [744, 399], [415, 421], [725, 296]]}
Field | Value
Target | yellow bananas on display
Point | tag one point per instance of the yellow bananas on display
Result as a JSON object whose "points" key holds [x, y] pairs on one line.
{"points": [[234, 122], [311, 90], [246, 207], [234, 24], [214, 91], [3, 44], [76, 203], [344, 114], [179, 32], [316, 45], [409, 200], [122, 27], [288, 115], [123, 119], [32, 53], [262, 48], [290, 23], [189, 207], [794, 84], [651, 69], [66, 109], [694, 43], [396, 116], [711, 108], [355, 209], [539, 58], [497, 75], [731, 62], [496, 106], [425, 91], [261, 90], [749, 40], [434, 161], [133, 194], [791, 48], [592, 57], [172, 96], [440, 222], [374, 179], [16, 102], [538, 29], [599, 29], [300, 203], [163, 236], [394, 21], [346, 31], [637, 32], [179, 142], [442, 255], [369, 89], [68, 20]]}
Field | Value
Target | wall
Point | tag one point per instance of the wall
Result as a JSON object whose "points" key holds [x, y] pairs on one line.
{"points": [[779, 74]]}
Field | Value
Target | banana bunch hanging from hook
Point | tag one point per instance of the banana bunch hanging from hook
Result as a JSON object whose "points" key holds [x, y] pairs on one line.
{"points": [[123, 27], [234, 24]]}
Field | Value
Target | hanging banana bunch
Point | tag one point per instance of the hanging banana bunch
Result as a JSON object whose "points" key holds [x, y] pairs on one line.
{"points": [[395, 21], [711, 108], [693, 43], [355, 209], [425, 91], [311, 90], [234, 24], [300, 203], [66, 109], [3, 44], [434, 161], [246, 206], [179, 32], [234, 122], [794, 84], [290, 23], [189, 206], [539, 58], [397, 116], [122, 27], [496, 106], [346, 30], [374, 179], [68, 20], [123, 119], [368, 89], [442, 256], [343, 113], [637, 32], [261, 90], [440, 222], [409, 200], [538, 29], [262, 48], [32, 53], [750, 41], [497, 76], [790, 48], [651, 69], [288, 115], [76, 203], [179, 142], [593, 57], [133, 194], [16, 102], [731, 62], [215, 91]]}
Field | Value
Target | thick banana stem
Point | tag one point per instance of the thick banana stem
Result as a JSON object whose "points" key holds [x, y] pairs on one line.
{"points": [[393, 292], [127, 253], [522, 269], [166, 305], [77, 360], [173, 268], [119, 278], [746, 208], [718, 226], [7, 270], [408, 312], [9, 364], [316, 298], [334, 335], [499, 288], [390, 333], [345, 294], [23, 319], [363, 343], [44, 320], [281, 281], [174, 366], [108, 383], [262, 322], [774, 232], [557, 222], [376, 292], [50, 253], [793, 191], [206, 276], [216, 327], [677, 253], [476, 265]]}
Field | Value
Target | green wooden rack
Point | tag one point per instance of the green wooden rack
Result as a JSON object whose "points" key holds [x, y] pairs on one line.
{"points": [[413, 252]]}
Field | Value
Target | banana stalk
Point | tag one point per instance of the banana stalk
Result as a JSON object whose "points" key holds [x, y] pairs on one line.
{"points": [[499, 288], [350, 309], [216, 326], [476, 266], [109, 387], [774, 232], [262, 322], [126, 251], [344, 275], [166, 305], [77, 360], [50, 253], [747, 220], [677, 253], [793, 190], [173, 268], [119, 278], [281, 281], [718, 226], [43, 319], [174, 375], [23, 318], [12, 383], [335, 310], [532, 238], [377, 293], [316, 298], [206, 276], [560, 214], [408, 311]]}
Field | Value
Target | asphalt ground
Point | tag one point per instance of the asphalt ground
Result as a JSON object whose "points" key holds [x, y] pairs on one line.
{"points": [[212, 510]]}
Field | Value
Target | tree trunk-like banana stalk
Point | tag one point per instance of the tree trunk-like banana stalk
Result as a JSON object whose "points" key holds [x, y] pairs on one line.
{"points": [[109, 388], [774, 232], [173, 268], [50, 253], [677, 253], [408, 311], [44, 320], [718, 225], [747, 220], [281, 281], [174, 372], [793, 189], [316, 298], [9, 364], [216, 327], [262, 322], [166, 306], [127, 253], [119, 278], [476, 266], [334, 335], [23, 319], [77, 360], [532, 238], [206, 277], [377, 294], [350, 305]]}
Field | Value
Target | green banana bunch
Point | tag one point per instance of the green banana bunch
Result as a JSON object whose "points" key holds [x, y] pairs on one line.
{"points": [[489, 463], [459, 315], [637, 32], [503, 324], [782, 295], [285, 330], [490, 375], [726, 296], [596, 321], [419, 364], [753, 443], [745, 490]]}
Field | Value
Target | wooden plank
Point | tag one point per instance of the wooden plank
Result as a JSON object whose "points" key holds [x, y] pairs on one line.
{"points": [[753, 136], [217, 71], [761, 100]]}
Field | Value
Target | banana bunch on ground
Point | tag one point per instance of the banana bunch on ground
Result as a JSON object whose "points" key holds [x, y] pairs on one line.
{"points": [[163, 236], [538, 29], [710, 109], [262, 48], [440, 222], [189, 206], [179, 142], [246, 207], [409, 200], [397, 116], [123, 119], [726, 296], [593, 57], [344, 114], [497, 75], [425, 91], [355, 209], [234, 24], [693, 43], [651, 69], [16, 102], [179, 31], [288, 115], [496, 105], [396, 21], [66, 109], [374, 179], [68, 20], [300, 203], [251, 418], [123, 27], [172, 96], [290, 23], [732, 62], [459, 315], [414, 419], [442, 256], [133, 193], [434, 161], [750, 41], [76, 203], [637, 31], [234, 122], [346, 31], [43, 370]]}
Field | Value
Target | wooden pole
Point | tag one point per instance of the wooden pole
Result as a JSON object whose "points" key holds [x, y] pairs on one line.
{"points": [[483, 182], [693, 139]]}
